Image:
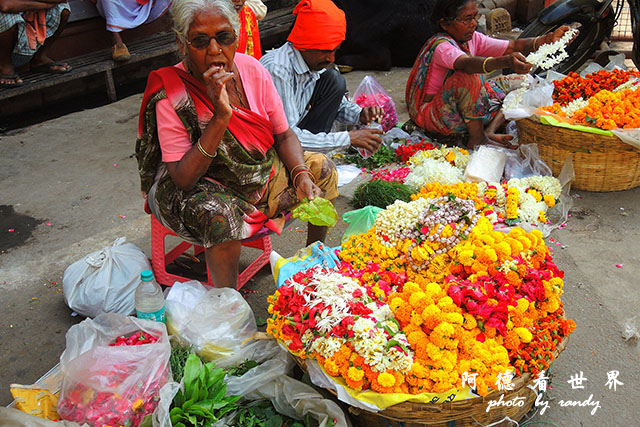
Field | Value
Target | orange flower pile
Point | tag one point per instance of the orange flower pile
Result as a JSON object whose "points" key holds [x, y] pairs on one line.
{"points": [[609, 110], [573, 86]]}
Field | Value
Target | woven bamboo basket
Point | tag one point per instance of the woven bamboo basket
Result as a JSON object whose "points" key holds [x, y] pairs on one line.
{"points": [[601, 163], [463, 413]]}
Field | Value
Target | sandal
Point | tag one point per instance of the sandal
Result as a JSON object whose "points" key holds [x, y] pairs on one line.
{"points": [[120, 53], [15, 77], [53, 67]]}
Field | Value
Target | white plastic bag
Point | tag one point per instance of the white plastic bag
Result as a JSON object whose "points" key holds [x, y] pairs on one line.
{"points": [[525, 162], [105, 281], [520, 103], [112, 385], [215, 321], [486, 164], [370, 93]]}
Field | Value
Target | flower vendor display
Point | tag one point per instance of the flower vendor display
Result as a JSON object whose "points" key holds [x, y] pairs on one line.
{"points": [[604, 99], [551, 54], [431, 293], [113, 368]]}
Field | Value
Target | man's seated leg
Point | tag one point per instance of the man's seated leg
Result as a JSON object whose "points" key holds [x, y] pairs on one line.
{"points": [[8, 37], [325, 101]]}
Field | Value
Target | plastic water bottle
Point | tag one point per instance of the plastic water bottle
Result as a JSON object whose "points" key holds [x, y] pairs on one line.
{"points": [[363, 151], [149, 298]]}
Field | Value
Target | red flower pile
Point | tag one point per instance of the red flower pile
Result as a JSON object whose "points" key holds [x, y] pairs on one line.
{"points": [[404, 152]]}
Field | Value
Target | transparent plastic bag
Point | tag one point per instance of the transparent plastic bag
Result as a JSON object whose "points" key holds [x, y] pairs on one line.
{"points": [[359, 220], [105, 281], [112, 385], [370, 93], [520, 103], [215, 321], [525, 162]]}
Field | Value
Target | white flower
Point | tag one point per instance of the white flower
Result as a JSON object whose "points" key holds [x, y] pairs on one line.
{"points": [[549, 55], [430, 170], [575, 105]]}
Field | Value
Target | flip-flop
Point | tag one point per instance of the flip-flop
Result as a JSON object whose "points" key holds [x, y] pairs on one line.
{"points": [[13, 77], [49, 68]]}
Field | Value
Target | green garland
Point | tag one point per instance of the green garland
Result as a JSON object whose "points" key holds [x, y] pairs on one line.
{"points": [[380, 193]]}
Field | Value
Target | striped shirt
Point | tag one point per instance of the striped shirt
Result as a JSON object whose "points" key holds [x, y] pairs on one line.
{"points": [[295, 82]]}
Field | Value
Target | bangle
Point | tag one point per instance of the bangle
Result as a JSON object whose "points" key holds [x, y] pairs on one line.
{"points": [[204, 153], [293, 169], [484, 64], [534, 43], [313, 178]]}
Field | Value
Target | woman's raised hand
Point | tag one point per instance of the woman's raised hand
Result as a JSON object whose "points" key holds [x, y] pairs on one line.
{"points": [[519, 63], [215, 79]]}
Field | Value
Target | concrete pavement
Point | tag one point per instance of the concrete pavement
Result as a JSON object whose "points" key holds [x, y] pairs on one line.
{"points": [[76, 178]]}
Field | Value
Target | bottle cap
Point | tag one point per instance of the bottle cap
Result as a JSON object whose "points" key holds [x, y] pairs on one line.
{"points": [[146, 275]]}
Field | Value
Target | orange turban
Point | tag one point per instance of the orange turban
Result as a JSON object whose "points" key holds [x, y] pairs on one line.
{"points": [[320, 24]]}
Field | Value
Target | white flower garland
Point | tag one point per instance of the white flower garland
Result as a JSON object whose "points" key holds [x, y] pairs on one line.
{"points": [[575, 105], [549, 55], [430, 170]]}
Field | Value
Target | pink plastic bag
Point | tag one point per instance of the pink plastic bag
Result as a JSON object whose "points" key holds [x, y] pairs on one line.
{"points": [[369, 93]]}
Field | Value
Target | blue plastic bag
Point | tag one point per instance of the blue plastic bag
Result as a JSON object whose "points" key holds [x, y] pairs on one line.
{"points": [[311, 256]]}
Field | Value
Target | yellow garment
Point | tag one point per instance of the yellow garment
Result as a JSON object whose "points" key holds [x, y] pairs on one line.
{"points": [[35, 400]]}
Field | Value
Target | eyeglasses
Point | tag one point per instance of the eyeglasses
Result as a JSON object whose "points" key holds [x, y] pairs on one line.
{"points": [[467, 21], [224, 38]]}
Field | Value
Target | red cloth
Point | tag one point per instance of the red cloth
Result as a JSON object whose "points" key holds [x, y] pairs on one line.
{"points": [[249, 38], [251, 130], [36, 27], [320, 24]]}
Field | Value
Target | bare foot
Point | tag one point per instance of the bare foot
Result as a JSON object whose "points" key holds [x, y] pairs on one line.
{"points": [[8, 76], [52, 65], [501, 140]]}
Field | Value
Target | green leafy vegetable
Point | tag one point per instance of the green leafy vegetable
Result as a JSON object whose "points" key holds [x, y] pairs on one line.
{"points": [[204, 399], [318, 211], [380, 193], [242, 369], [177, 360], [262, 414], [382, 157]]}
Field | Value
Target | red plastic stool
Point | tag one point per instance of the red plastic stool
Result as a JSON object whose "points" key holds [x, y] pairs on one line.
{"points": [[160, 258]]}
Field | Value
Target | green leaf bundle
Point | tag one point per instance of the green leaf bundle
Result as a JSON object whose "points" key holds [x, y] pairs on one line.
{"points": [[318, 211], [382, 157], [204, 400], [380, 193]]}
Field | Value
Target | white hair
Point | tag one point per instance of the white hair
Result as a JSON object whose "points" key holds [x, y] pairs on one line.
{"points": [[183, 12]]}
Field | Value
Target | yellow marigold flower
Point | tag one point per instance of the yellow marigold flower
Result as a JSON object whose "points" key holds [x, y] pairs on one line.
{"points": [[431, 316], [415, 337], [411, 287], [469, 321], [516, 246], [137, 405], [331, 367], [466, 257], [433, 290], [453, 318], [444, 329], [523, 305], [524, 335], [386, 380], [450, 157], [536, 194], [396, 303], [416, 299], [447, 305], [416, 319], [556, 283], [355, 374], [549, 200]]}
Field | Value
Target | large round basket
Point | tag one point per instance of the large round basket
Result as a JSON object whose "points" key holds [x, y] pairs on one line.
{"points": [[463, 413], [601, 163]]}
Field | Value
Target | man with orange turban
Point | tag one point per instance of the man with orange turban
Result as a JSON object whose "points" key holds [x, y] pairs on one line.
{"points": [[310, 86]]}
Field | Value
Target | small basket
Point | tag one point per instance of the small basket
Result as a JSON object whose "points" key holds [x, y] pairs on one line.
{"points": [[462, 413], [601, 162]]}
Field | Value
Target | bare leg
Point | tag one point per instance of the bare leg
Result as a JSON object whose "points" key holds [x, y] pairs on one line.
{"points": [[7, 42], [120, 51], [41, 56], [223, 261], [500, 138], [476, 134], [316, 233]]}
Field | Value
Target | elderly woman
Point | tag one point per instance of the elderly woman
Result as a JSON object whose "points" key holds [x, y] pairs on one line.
{"points": [[216, 157], [446, 91]]}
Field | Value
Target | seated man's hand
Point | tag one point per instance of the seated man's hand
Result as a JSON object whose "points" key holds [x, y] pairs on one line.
{"points": [[369, 114], [369, 139]]}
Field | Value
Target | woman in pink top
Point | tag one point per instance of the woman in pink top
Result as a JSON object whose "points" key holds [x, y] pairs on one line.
{"points": [[216, 157], [447, 93]]}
